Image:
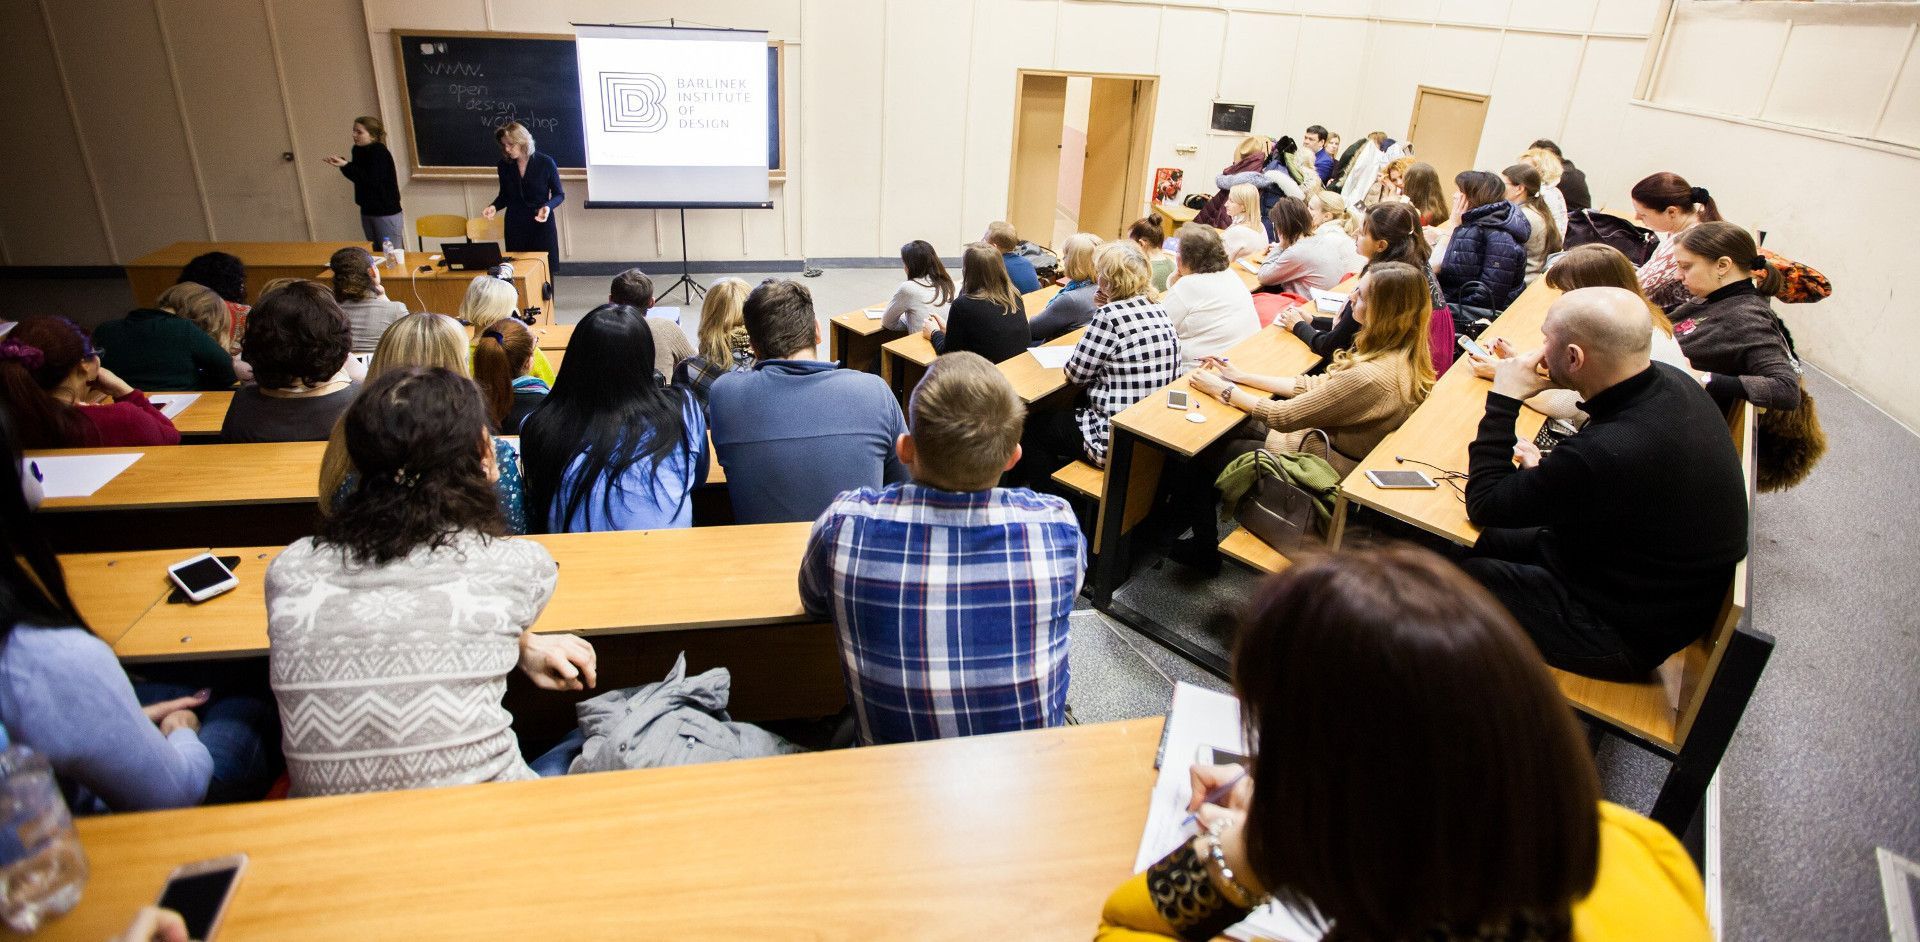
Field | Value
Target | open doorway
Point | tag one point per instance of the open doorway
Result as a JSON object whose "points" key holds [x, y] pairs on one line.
{"points": [[1079, 153], [1445, 128]]}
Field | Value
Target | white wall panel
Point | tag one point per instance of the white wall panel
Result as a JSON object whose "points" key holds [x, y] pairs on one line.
{"points": [[1812, 90], [1529, 97], [924, 101]]}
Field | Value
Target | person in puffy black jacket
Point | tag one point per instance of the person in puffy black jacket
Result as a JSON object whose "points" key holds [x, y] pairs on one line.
{"points": [[1486, 261]]}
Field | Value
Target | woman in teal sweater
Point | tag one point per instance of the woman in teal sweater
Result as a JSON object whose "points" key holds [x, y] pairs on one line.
{"points": [[164, 348]]}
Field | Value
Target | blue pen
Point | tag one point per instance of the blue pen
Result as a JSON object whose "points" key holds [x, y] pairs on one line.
{"points": [[1213, 797], [34, 466]]}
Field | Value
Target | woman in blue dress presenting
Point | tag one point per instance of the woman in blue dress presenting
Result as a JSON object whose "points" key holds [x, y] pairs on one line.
{"points": [[529, 193]]}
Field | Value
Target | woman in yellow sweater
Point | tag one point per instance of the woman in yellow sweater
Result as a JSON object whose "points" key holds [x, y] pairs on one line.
{"points": [[1416, 776]]}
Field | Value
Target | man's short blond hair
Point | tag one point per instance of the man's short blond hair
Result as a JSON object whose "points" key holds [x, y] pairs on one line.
{"points": [[966, 422], [1123, 270], [1001, 236]]}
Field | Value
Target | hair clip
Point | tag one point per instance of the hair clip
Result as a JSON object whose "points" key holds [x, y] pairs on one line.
{"points": [[1757, 263], [402, 478], [28, 356]]}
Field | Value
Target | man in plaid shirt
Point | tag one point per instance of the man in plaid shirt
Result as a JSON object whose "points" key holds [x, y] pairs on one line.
{"points": [[950, 595]]}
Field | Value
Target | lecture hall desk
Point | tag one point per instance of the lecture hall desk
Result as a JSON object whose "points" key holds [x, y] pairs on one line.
{"points": [[1015, 836], [905, 360], [152, 274], [441, 290]]}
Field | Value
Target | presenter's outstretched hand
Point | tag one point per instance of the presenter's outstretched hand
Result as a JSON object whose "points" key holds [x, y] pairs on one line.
{"points": [[488, 213], [542, 214], [335, 160]]}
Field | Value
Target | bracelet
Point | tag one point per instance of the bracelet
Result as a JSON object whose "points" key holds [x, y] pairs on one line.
{"points": [[1217, 855]]}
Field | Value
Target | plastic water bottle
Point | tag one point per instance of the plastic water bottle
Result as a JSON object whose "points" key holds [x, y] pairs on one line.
{"points": [[394, 257], [41, 865]]}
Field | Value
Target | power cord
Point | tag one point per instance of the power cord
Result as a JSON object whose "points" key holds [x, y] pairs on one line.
{"points": [[1453, 479]]}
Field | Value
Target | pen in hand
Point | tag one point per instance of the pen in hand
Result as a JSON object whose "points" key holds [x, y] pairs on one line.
{"points": [[1214, 795]]}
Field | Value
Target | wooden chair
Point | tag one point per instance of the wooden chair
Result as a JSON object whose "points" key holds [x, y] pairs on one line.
{"points": [[1688, 710], [438, 226], [481, 229]]}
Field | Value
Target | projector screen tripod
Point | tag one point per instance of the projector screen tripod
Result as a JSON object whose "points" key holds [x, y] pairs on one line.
{"points": [[686, 274]]}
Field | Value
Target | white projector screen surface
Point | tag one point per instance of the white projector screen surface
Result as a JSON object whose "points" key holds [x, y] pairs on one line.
{"points": [[674, 117]]}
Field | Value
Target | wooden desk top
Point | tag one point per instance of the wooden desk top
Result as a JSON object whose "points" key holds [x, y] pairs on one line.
{"points": [[610, 583], [1250, 279], [1272, 351], [264, 254], [113, 590], [552, 337], [1034, 382], [525, 265], [1174, 211], [206, 414], [1440, 431], [858, 322], [1020, 835]]}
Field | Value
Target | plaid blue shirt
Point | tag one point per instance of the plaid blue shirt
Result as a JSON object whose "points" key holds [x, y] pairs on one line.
{"points": [[951, 607]]}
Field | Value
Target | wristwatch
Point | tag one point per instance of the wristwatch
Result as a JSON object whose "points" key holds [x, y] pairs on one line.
{"points": [[1226, 394]]}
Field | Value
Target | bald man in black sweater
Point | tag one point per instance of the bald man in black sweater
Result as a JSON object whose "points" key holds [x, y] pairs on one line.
{"points": [[1615, 549]]}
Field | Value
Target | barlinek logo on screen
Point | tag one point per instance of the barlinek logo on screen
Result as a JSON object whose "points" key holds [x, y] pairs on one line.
{"points": [[641, 103]]}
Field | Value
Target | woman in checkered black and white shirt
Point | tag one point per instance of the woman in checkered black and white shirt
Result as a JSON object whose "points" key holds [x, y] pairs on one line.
{"points": [[1130, 349]]}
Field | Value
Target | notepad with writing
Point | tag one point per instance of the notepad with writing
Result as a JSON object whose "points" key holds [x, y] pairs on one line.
{"points": [[78, 475], [1052, 358], [1329, 302], [172, 404]]}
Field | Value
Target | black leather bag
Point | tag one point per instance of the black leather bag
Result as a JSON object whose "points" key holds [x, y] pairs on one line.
{"points": [[1282, 514], [1589, 225]]}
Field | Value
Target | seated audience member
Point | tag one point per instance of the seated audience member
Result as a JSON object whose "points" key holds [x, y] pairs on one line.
{"points": [[50, 376], [1001, 236], [724, 347], [1150, 236], [297, 343], [487, 301], [1130, 351], [1270, 173], [167, 346], [926, 292], [501, 358], [670, 345], [115, 745], [1249, 160], [1485, 263], [226, 276], [420, 533], [795, 431], [427, 341], [613, 448], [1330, 216], [1729, 330], [1593, 265], [1246, 232], [1322, 153], [1615, 549], [1543, 234], [1297, 262], [1353, 821], [1208, 305], [1550, 173], [1072, 308], [356, 285], [1001, 567], [987, 318], [1669, 205], [1391, 186], [1573, 180], [1423, 190], [1388, 233]]}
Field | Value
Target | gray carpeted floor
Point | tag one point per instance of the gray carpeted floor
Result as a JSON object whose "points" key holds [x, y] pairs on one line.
{"points": [[1826, 766]]}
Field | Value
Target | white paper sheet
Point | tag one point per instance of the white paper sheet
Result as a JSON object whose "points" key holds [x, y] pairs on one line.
{"points": [[172, 404], [79, 475], [1053, 358], [1328, 302], [1251, 264], [665, 314], [875, 313]]}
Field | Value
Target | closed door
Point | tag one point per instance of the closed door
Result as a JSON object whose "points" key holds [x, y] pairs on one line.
{"points": [[1111, 190], [1038, 123], [1445, 130], [230, 87]]}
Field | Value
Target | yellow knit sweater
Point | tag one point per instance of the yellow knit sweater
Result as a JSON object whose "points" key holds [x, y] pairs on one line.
{"points": [[1356, 406]]}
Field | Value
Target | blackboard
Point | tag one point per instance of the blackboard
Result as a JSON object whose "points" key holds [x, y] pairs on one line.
{"points": [[1228, 116], [460, 86]]}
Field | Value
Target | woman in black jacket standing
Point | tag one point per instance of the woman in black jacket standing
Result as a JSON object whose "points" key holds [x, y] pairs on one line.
{"points": [[529, 193], [376, 187]]}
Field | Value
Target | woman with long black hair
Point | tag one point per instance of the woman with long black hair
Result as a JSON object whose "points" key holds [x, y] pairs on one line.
{"points": [[612, 448]]}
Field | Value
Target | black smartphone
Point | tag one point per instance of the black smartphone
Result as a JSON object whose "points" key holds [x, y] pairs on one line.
{"points": [[199, 893]]}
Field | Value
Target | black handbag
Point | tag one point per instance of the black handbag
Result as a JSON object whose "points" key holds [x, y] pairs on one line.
{"points": [[1281, 513], [1589, 225]]}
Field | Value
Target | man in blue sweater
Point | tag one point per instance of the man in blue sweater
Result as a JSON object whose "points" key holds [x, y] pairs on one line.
{"points": [[795, 431], [1001, 236], [1315, 140]]}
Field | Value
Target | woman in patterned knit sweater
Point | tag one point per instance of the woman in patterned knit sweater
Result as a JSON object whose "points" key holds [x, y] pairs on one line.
{"points": [[391, 634]]}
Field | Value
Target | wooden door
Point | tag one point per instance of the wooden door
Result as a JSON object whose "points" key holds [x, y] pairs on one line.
{"points": [[1111, 129], [1039, 116], [229, 89], [1445, 130]]}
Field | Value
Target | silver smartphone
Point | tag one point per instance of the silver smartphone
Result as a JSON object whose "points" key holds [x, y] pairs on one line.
{"points": [[200, 891]]}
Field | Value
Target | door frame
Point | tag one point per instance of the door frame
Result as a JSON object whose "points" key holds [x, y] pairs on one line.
{"points": [[1145, 107]]}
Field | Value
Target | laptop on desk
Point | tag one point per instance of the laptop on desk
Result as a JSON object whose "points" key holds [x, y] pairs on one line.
{"points": [[471, 256]]}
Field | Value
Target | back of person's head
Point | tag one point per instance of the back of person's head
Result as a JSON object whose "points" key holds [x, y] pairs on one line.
{"points": [[780, 320], [1480, 188], [1001, 236], [923, 264], [33, 590], [1713, 241], [1397, 225], [425, 340], [1123, 272], [966, 420], [984, 276], [198, 304], [1334, 206], [488, 300], [1384, 694], [719, 317], [1611, 328], [39, 354], [1545, 161], [1399, 311], [418, 438], [632, 288], [1599, 265], [352, 274], [1422, 189], [1663, 191], [1076, 255], [1525, 177], [1150, 231], [1201, 250], [501, 354], [224, 273], [1244, 199], [1547, 145], [296, 336], [602, 410], [1291, 220], [1253, 144]]}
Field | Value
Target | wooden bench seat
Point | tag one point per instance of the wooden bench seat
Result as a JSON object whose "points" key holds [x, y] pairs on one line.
{"points": [[1082, 478], [1248, 550]]}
